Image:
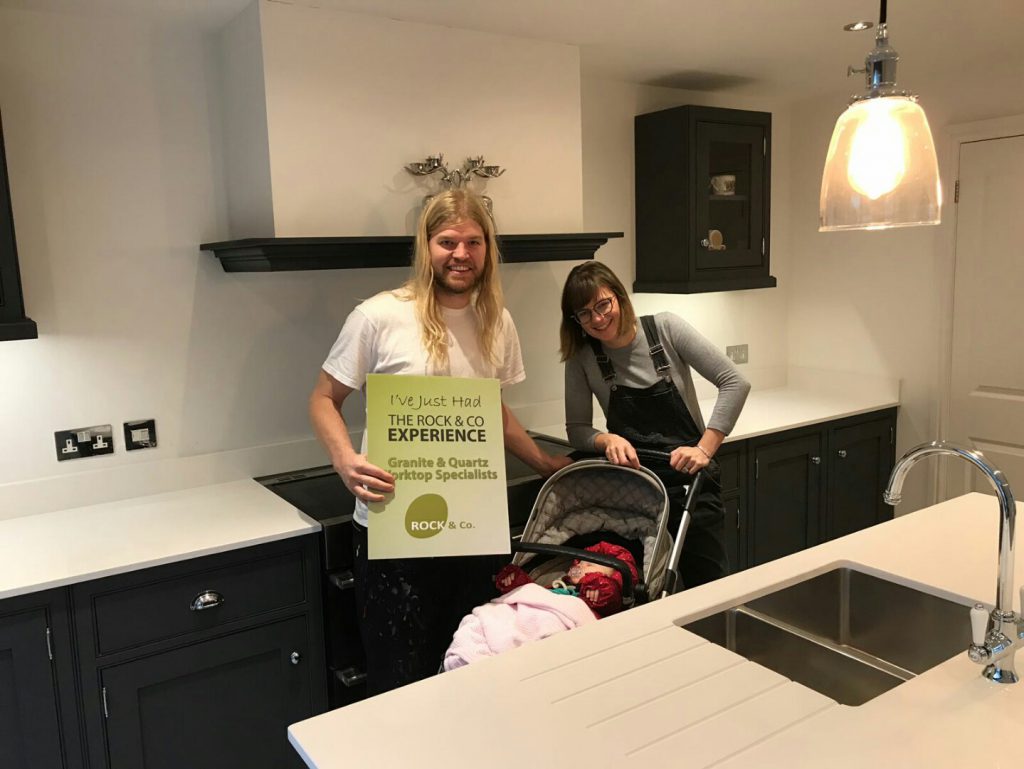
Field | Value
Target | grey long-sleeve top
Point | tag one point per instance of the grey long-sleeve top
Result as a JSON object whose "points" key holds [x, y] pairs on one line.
{"points": [[685, 347]]}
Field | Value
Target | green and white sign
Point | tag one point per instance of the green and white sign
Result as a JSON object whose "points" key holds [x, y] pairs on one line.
{"points": [[442, 439]]}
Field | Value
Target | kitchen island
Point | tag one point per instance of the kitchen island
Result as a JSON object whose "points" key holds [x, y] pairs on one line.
{"points": [[637, 688]]}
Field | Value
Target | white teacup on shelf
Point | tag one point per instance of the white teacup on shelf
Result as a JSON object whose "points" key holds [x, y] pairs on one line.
{"points": [[723, 184]]}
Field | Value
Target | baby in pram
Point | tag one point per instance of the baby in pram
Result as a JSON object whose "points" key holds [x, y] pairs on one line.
{"points": [[528, 612], [599, 587]]}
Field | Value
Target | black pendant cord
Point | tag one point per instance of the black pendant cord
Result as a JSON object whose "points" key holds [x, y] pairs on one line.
{"points": [[881, 13]]}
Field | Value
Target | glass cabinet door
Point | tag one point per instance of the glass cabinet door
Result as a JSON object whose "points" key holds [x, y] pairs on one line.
{"points": [[729, 196]]}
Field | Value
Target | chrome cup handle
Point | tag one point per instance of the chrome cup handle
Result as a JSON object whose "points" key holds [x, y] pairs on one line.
{"points": [[208, 599]]}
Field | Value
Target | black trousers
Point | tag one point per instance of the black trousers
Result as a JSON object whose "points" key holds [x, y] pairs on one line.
{"points": [[409, 608]]}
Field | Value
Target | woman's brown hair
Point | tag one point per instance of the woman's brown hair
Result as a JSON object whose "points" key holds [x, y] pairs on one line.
{"points": [[581, 287]]}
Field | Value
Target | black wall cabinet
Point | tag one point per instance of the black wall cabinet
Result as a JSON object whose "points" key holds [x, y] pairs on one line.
{"points": [[790, 490], [13, 322], [703, 189]]}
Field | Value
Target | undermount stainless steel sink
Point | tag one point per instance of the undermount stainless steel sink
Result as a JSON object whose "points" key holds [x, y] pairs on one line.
{"points": [[844, 633]]}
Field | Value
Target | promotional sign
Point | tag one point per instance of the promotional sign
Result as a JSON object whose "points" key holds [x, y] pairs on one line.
{"points": [[442, 439]]}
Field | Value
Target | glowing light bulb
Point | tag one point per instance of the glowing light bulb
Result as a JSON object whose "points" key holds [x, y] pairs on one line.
{"points": [[878, 150]]}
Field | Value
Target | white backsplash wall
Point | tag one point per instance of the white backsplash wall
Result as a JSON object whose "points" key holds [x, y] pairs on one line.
{"points": [[117, 166]]}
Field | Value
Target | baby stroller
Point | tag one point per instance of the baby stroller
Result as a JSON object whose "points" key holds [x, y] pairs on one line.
{"points": [[593, 500]]}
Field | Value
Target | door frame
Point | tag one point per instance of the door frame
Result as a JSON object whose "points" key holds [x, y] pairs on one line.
{"points": [[949, 168]]}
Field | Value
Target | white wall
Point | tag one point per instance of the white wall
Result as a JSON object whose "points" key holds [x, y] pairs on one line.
{"points": [[878, 301], [113, 130], [351, 99]]}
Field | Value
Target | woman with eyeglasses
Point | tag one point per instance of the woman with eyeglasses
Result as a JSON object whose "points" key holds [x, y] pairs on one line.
{"points": [[639, 370]]}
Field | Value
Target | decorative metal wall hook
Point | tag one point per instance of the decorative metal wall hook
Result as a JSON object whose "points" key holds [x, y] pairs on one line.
{"points": [[459, 177]]}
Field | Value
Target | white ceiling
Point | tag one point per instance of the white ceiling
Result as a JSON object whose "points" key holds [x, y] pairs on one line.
{"points": [[773, 48]]}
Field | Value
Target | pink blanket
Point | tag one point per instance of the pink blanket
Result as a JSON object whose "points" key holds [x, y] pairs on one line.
{"points": [[525, 614]]}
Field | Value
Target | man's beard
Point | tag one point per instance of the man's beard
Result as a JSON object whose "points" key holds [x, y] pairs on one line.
{"points": [[441, 283]]}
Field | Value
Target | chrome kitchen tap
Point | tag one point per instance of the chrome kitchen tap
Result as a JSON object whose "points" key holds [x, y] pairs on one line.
{"points": [[994, 637]]}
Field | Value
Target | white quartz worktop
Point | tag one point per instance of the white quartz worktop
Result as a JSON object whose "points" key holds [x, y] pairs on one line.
{"points": [[809, 398], [636, 690], [68, 546]]}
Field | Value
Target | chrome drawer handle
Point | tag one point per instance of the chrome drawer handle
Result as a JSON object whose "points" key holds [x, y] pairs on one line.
{"points": [[295, 657], [350, 676], [842, 453], [208, 599], [815, 460]]}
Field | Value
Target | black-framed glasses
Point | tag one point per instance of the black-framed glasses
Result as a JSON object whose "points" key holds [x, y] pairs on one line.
{"points": [[602, 308]]}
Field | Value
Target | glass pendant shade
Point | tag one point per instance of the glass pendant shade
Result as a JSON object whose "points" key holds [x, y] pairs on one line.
{"points": [[881, 170]]}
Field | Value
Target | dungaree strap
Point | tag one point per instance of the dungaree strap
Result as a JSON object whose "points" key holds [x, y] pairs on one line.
{"points": [[658, 356], [603, 362]]}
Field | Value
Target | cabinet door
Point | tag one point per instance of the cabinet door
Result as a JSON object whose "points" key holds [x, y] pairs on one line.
{"points": [[785, 504], [34, 657], [732, 461], [861, 457], [219, 703], [726, 152]]}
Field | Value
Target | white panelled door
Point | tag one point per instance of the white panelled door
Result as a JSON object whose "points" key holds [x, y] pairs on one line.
{"points": [[987, 376]]}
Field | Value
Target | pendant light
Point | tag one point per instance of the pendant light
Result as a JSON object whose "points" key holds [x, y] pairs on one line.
{"points": [[881, 170]]}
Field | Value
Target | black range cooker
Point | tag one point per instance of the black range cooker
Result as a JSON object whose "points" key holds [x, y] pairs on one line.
{"points": [[319, 493]]}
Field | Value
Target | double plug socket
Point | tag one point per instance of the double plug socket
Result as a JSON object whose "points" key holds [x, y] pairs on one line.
{"points": [[99, 439]]}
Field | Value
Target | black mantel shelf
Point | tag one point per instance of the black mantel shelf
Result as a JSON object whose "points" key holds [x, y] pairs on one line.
{"points": [[277, 254]]}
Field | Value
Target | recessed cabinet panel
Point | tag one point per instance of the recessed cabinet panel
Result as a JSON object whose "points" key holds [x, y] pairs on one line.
{"points": [[861, 457], [224, 702], [38, 720], [733, 154], [786, 500]]}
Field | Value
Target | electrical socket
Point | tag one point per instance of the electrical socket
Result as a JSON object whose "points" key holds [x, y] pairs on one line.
{"points": [[737, 353], [140, 434], [84, 442]]}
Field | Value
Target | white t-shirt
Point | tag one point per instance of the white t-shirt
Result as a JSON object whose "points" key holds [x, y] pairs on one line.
{"points": [[382, 336]]}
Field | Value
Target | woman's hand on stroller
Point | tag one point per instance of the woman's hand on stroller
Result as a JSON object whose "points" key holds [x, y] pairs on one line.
{"points": [[511, 577], [617, 450], [601, 593], [688, 460]]}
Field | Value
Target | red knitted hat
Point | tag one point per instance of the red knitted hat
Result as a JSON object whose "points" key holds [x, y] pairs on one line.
{"points": [[606, 548]]}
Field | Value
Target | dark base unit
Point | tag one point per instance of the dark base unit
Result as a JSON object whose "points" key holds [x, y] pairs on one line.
{"points": [[790, 490], [203, 663]]}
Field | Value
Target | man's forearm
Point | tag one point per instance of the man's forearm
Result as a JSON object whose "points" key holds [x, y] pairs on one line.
{"points": [[330, 428]]}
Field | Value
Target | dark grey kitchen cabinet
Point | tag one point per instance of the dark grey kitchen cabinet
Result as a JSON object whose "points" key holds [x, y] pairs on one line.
{"points": [[813, 484], [786, 494], [224, 702], [14, 324], [204, 662], [861, 454], [38, 712], [732, 460], [703, 195]]}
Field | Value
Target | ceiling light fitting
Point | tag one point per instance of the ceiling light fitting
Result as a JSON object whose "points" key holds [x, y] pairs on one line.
{"points": [[881, 170]]}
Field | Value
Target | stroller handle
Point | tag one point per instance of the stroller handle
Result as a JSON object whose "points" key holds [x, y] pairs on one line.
{"points": [[584, 555]]}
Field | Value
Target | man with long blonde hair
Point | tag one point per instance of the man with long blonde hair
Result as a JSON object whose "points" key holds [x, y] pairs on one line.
{"points": [[448, 319]]}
